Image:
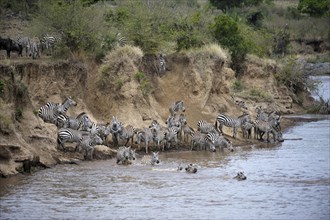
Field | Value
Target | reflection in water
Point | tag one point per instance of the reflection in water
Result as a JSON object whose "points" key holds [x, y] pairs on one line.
{"points": [[290, 181]]}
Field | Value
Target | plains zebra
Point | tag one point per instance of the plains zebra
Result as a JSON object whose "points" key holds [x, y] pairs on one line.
{"points": [[120, 41], [48, 43], [201, 140], [67, 103], [205, 127], [230, 122], [25, 42], [246, 128], [262, 127], [88, 143], [145, 136], [127, 133], [187, 131], [75, 123], [69, 135], [35, 49], [115, 128], [177, 106], [171, 135], [47, 112], [218, 140], [104, 131], [158, 134], [162, 64], [125, 155]]}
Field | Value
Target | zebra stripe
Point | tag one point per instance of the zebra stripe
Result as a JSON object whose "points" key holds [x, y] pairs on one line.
{"points": [[205, 127], [127, 133], [230, 122], [219, 141], [88, 143], [25, 42], [48, 43], [177, 106], [201, 140], [47, 112], [162, 64], [69, 135], [120, 40], [115, 128]]}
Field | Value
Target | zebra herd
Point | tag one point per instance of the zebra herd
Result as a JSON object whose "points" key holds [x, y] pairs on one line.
{"points": [[35, 46], [175, 131]]}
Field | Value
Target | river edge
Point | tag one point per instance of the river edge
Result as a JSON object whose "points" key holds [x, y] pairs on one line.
{"points": [[288, 121]]}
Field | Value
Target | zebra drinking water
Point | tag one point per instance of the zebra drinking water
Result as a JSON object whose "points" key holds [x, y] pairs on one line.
{"points": [[218, 140], [228, 121]]}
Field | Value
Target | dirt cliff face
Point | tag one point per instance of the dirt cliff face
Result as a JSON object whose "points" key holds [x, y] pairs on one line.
{"points": [[30, 84]]}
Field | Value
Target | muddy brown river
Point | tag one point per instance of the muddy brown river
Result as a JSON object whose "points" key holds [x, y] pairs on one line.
{"points": [[290, 181]]}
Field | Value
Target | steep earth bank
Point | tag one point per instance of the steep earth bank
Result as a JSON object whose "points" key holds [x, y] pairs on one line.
{"points": [[206, 92]]}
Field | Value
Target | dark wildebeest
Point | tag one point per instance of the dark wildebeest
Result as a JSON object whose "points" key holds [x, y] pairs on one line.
{"points": [[10, 45]]}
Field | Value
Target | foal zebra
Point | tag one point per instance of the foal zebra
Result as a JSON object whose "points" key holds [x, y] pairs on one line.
{"points": [[177, 106], [228, 121]]}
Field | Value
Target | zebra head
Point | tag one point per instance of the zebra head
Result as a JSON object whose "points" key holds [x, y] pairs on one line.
{"points": [[154, 158], [116, 125], [240, 176]]}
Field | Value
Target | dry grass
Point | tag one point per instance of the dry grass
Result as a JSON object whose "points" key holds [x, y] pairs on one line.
{"points": [[119, 55], [208, 55]]}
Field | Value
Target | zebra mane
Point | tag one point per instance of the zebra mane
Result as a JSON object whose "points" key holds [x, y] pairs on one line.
{"points": [[241, 116], [81, 114], [177, 102]]}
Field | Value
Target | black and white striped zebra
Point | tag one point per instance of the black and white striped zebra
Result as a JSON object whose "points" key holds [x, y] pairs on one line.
{"points": [[48, 44], [50, 112], [218, 140], [127, 133], [162, 64], [246, 128], [205, 127], [35, 48], [65, 135], [176, 107], [64, 121], [228, 121], [187, 131], [120, 41], [201, 140], [25, 42], [171, 136], [88, 144], [158, 134], [144, 135], [115, 128]]}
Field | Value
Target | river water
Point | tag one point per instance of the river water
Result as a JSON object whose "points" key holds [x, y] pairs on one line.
{"points": [[289, 181]]}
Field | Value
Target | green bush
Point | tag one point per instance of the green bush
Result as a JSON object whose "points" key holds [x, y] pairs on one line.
{"points": [[238, 86], [139, 76], [316, 8], [227, 33]]}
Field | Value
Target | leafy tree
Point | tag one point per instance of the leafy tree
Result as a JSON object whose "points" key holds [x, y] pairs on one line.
{"points": [[315, 8], [226, 31]]}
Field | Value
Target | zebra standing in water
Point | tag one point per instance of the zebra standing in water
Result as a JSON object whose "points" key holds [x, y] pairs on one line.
{"points": [[201, 140], [115, 127], [127, 133], [218, 140], [144, 135], [176, 107], [228, 121], [48, 44]]}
